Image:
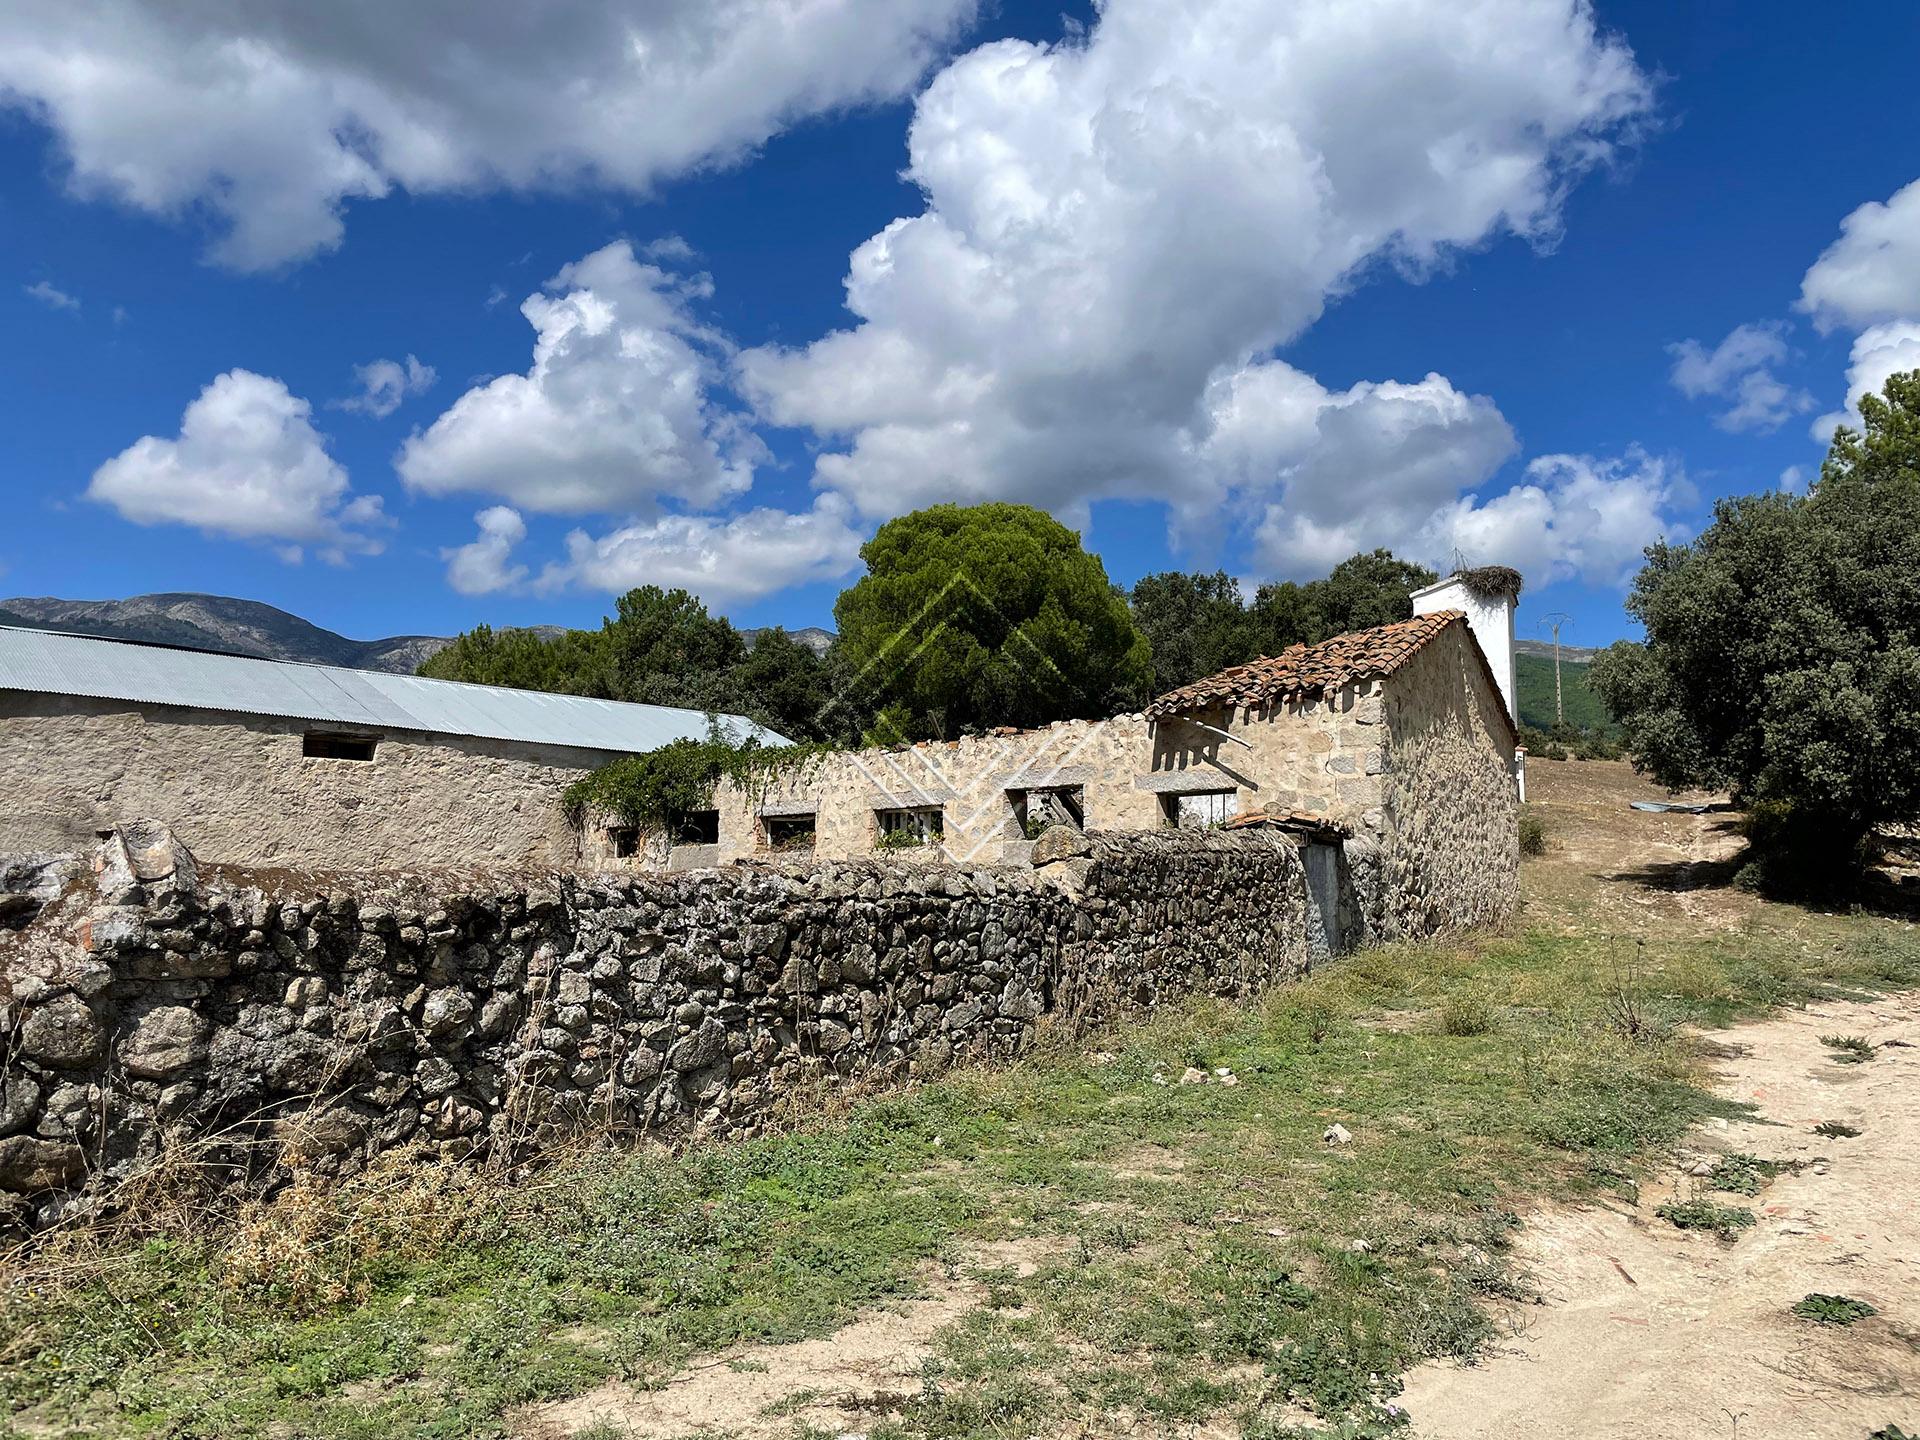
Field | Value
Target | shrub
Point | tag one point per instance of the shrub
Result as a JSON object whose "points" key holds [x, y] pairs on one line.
{"points": [[1533, 833], [1849, 1049]]}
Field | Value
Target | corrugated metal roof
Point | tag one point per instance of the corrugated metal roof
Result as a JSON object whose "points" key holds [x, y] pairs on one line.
{"points": [[51, 662]]}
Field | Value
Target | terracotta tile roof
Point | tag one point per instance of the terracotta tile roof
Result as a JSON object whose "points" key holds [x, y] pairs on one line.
{"points": [[1321, 669]]}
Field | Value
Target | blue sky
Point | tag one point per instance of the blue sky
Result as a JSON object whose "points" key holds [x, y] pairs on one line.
{"points": [[1415, 279]]}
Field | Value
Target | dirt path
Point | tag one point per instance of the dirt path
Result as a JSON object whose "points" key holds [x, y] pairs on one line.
{"points": [[835, 1384], [1651, 1333]]}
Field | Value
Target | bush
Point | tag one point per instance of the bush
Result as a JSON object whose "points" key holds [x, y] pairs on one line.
{"points": [[1533, 833]]}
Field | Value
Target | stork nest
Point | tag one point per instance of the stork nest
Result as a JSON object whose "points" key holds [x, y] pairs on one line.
{"points": [[1491, 582]]}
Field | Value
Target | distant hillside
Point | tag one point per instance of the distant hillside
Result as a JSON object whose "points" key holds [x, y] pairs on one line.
{"points": [[249, 627], [1534, 675], [1545, 647], [811, 636], [220, 622]]}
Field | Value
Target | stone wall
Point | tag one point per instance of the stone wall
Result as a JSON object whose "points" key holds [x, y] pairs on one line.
{"points": [[239, 791], [318, 1022], [1450, 853]]}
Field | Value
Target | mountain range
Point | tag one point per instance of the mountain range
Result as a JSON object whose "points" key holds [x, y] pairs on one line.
{"points": [[249, 627]]}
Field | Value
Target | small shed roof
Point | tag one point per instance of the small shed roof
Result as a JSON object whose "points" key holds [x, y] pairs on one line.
{"points": [[56, 663]]}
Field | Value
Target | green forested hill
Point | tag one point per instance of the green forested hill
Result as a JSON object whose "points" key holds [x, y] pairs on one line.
{"points": [[1534, 675]]}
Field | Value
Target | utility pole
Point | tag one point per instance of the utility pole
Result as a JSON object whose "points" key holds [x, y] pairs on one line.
{"points": [[1556, 620]]}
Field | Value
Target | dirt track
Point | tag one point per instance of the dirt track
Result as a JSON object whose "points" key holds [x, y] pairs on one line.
{"points": [[1650, 1332]]}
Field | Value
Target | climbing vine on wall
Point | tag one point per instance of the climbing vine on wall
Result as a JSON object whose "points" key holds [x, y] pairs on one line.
{"points": [[662, 788]]}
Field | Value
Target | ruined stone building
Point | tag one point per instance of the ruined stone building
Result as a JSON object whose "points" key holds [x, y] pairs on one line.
{"points": [[272, 762], [1399, 737]]}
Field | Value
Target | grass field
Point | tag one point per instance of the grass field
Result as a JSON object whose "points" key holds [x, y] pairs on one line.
{"points": [[1200, 1255]]}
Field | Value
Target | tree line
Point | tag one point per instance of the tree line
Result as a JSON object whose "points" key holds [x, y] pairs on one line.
{"points": [[968, 617]]}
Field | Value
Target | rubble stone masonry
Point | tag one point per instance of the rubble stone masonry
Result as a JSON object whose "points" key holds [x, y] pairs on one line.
{"points": [[274, 1020]]}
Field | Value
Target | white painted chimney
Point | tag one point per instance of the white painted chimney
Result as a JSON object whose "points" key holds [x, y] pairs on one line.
{"points": [[1488, 599]]}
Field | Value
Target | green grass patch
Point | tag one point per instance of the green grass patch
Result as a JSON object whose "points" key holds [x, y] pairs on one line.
{"points": [[1742, 1174]]}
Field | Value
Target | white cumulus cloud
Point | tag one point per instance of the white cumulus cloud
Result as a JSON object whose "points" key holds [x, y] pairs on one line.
{"points": [[1332, 473], [721, 559], [615, 412], [270, 115], [1740, 369], [385, 384], [247, 464], [484, 564], [1878, 352], [1871, 274], [1573, 517], [1117, 226]]}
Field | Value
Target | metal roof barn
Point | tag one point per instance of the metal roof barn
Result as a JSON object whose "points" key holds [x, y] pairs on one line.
{"points": [[52, 662]]}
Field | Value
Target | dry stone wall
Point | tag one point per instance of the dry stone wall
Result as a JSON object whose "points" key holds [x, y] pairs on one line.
{"points": [[147, 1011]]}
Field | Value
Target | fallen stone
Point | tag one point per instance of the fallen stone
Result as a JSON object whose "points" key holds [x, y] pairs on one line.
{"points": [[1337, 1134], [1059, 842], [1192, 1076]]}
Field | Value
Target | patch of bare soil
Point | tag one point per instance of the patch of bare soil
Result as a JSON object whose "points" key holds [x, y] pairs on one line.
{"points": [[1651, 1333], [839, 1383], [1621, 868]]}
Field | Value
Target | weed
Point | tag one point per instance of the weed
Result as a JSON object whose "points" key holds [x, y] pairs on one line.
{"points": [[1625, 1008], [1849, 1049], [1467, 1012], [1891, 1432], [1724, 1221], [1741, 1174], [1533, 832], [1833, 1309], [1836, 1130]]}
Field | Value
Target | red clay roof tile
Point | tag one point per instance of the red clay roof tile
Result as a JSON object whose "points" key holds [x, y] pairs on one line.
{"points": [[1310, 669]]}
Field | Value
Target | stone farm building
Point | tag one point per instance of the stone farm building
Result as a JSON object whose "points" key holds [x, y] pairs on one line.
{"points": [[274, 763], [1399, 739]]}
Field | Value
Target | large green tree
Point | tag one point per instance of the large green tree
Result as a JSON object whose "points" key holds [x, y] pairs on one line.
{"points": [[1782, 651], [660, 647], [1196, 625], [975, 616]]}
